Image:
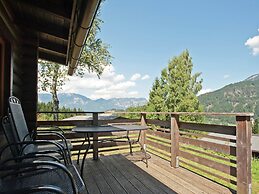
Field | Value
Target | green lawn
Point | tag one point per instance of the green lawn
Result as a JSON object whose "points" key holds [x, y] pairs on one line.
{"points": [[255, 176]]}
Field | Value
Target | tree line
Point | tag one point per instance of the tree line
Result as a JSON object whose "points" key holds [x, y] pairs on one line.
{"points": [[48, 107]]}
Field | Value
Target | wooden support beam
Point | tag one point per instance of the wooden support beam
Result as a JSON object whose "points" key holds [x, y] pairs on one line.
{"points": [[175, 141], [45, 27], [60, 8], [244, 154], [46, 44], [52, 57]]}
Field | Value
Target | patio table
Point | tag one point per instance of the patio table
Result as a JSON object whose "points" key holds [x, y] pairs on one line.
{"points": [[94, 132]]}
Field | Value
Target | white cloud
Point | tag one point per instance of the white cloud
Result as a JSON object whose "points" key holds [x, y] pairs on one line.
{"points": [[145, 77], [203, 91], [110, 85], [119, 77], [133, 93], [122, 85], [135, 77], [226, 76], [253, 43]]}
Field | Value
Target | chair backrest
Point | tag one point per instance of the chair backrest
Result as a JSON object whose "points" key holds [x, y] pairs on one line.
{"points": [[11, 136], [18, 119]]}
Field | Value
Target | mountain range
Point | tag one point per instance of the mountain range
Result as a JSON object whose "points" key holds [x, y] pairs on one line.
{"points": [[242, 96], [72, 100]]}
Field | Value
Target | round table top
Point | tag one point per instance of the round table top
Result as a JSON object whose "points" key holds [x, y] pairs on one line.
{"points": [[108, 128]]}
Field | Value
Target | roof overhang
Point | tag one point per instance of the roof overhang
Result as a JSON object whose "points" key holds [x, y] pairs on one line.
{"points": [[61, 26], [88, 13]]}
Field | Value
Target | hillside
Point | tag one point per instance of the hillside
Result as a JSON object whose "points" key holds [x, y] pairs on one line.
{"points": [[238, 97], [72, 100]]}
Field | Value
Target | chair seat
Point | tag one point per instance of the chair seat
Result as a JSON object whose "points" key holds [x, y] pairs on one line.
{"points": [[55, 177]]}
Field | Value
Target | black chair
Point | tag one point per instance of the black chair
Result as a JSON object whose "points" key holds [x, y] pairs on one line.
{"points": [[18, 122], [20, 155], [20, 148], [36, 176]]}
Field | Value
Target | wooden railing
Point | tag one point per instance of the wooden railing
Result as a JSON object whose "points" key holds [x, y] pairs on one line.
{"points": [[218, 152]]}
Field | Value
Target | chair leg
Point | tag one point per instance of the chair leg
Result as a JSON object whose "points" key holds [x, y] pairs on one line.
{"points": [[79, 151]]}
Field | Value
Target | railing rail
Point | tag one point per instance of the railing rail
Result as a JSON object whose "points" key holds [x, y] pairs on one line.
{"points": [[221, 153]]}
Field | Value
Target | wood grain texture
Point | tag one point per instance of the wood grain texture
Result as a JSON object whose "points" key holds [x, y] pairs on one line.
{"points": [[244, 155], [175, 141]]}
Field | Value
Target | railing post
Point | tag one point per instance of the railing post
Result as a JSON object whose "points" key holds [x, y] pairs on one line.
{"points": [[95, 118], [174, 141], [143, 122], [95, 137], [244, 154]]}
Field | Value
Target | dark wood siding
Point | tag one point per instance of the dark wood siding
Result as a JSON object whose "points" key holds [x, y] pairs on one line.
{"points": [[23, 55]]}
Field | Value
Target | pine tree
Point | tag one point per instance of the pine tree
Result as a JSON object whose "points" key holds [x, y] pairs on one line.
{"points": [[156, 101], [177, 88], [255, 129]]}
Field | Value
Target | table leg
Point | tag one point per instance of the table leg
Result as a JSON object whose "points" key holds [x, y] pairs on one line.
{"points": [[129, 141], [95, 146], [86, 151]]}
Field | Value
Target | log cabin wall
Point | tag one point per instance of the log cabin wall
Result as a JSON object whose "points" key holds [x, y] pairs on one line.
{"points": [[4, 81], [25, 69], [18, 76]]}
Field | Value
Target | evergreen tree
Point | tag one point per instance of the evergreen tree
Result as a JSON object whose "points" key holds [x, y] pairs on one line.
{"points": [[156, 101], [177, 88], [255, 128]]}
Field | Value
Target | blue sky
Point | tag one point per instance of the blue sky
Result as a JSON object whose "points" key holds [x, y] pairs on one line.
{"points": [[222, 37]]}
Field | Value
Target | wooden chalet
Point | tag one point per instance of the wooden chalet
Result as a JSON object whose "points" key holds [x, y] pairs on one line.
{"points": [[41, 29], [181, 160]]}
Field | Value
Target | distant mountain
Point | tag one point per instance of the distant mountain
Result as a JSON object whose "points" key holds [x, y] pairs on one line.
{"points": [[238, 97], [72, 100]]}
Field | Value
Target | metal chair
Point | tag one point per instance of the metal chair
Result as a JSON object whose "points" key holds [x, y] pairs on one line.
{"points": [[20, 148], [18, 122], [36, 176], [20, 155]]}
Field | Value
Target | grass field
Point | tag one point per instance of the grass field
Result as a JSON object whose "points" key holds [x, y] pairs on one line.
{"points": [[255, 176]]}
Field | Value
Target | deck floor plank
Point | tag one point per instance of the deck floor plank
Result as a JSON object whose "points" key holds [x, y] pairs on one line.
{"points": [[121, 174], [126, 171], [127, 186], [98, 177], [90, 183], [178, 188], [200, 182], [175, 178], [149, 181], [111, 180]]}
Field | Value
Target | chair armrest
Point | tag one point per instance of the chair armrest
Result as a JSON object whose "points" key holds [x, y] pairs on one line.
{"points": [[46, 142], [38, 142], [53, 133]]}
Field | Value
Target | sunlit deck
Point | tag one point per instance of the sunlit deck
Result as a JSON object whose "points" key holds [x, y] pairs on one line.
{"points": [[122, 174]]}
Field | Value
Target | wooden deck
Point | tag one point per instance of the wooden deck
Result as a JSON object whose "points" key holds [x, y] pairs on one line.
{"points": [[123, 174]]}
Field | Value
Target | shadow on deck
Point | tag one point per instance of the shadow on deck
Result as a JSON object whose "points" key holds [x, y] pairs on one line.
{"points": [[122, 174]]}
